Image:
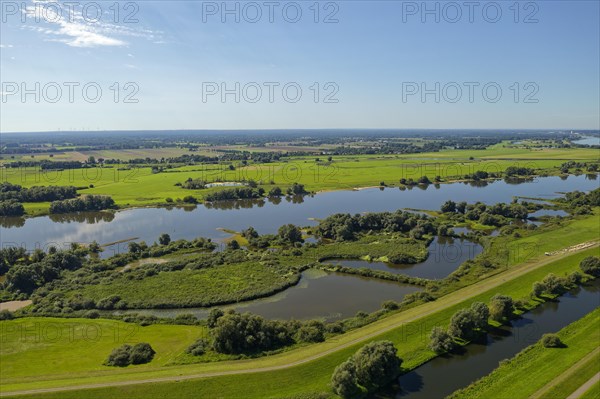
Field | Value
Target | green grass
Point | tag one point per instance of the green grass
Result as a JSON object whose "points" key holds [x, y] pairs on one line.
{"points": [[204, 287], [64, 348], [535, 366], [410, 332]]}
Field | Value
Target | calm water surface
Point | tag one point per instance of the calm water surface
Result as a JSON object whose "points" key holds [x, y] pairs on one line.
{"points": [[265, 216]]}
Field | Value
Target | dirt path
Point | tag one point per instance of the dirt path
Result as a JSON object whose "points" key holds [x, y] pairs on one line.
{"points": [[387, 324], [568, 374], [14, 305], [584, 388]]}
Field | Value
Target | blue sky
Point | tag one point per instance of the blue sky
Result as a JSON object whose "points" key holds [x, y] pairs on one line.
{"points": [[546, 64]]}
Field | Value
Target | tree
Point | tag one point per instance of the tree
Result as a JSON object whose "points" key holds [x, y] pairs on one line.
{"points": [[448, 206], [275, 192], [213, 316], [343, 380], [164, 239], [233, 244], [538, 289], [591, 266], [440, 341], [249, 233], [377, 363], [290, 233], [462, 324], [94, 247], [501, 307], [481, 314]]}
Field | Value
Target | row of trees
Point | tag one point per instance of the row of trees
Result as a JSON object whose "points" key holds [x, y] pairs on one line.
{"points": [[15, 192], [83, 203]]}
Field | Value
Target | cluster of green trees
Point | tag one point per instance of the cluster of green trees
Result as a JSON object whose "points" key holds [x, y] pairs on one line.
{"points": [[83, 203], [26, 278], [126, 354], [15, 192], [467, 324], [371, 368], [518, 171], [11, 208], [194, 184], [591, 266], [236, 193], [344, 227], [243, 333], [491, 215], [411, 182]]}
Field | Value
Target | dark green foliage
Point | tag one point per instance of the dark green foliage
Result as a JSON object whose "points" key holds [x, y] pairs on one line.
{"points": [[296, 189], [11, 208], [164, 239], [83, 203], [198, 348], [213, 316], [235, 193], [551, 341], [247, 333], [312, 331], [6, 315], [481, 314], [518, 171], [126, 354], [290, 233], [17, 193], [343, 380], [462, 325], [141, 353], [591, 266], [275, 192], [448, 206], [501, 307], [374, 366], [440, 341]]}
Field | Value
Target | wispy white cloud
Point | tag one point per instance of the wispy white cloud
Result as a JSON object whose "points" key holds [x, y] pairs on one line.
{"points": [[6, 46], [70, 27]]}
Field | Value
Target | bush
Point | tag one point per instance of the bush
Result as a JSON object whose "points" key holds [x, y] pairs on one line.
{"points": [[551, 341], [141, 353], [343, 380], [591, 266], [313, 331], [462, 324], [119, 357], [198, 348], [125, 355], [6, 315]]}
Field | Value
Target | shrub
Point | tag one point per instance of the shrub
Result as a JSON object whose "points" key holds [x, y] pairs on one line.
{"points": [[462, 324], [125, 355], [141, 353], [198, 348], [313, 331], [551, 341], [343, 380]]}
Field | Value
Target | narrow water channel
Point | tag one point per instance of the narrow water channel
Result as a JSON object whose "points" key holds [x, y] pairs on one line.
{"points": [[445, 374], [445, 256]]}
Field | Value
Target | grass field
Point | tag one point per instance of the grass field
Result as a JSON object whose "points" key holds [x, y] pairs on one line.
{"points": [[528, 372], [593, 392], [57, 348], [204, 287], [408, 329], [140, 187]]}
